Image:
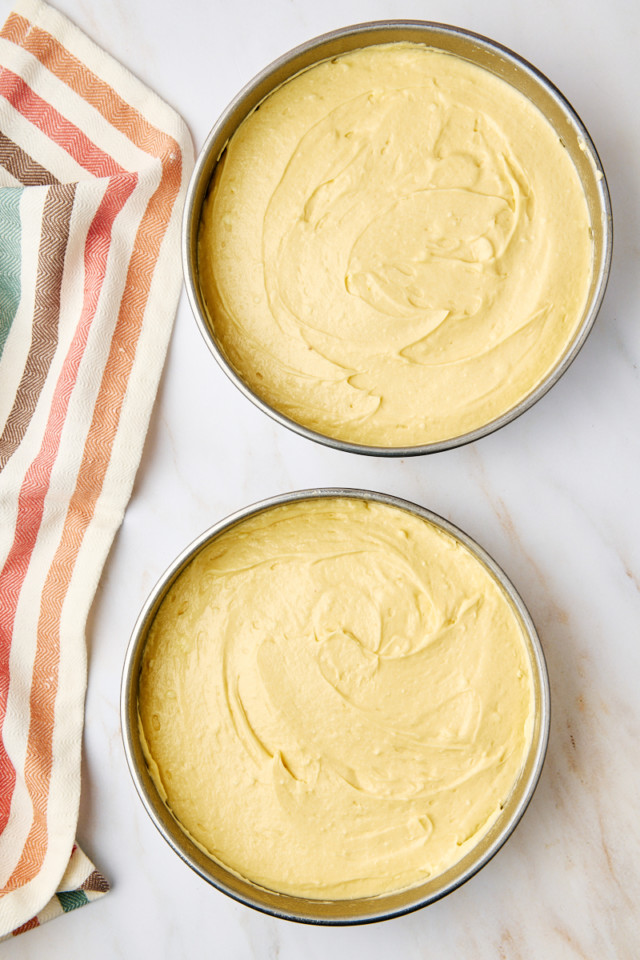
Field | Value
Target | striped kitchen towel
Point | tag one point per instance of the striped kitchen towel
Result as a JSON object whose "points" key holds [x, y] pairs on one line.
{"points": [[93, 171]]}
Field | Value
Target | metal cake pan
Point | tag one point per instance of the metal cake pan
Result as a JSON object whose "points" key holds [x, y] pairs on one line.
{"points": [[337, 912], [470, 46]]}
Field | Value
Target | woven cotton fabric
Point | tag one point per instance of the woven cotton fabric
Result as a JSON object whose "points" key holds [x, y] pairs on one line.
{"points": [[93, 171], [80, 884]]}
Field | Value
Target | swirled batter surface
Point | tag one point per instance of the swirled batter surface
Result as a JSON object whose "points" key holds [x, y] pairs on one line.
{"points": [[396, 248], [336, 698]]}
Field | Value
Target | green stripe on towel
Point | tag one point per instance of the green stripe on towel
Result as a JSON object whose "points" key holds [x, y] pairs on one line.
{"points": [[10, 259], [70, 899]]}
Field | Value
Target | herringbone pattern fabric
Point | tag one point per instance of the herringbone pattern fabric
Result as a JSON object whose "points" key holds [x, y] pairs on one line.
{"points": [[93, 170]]}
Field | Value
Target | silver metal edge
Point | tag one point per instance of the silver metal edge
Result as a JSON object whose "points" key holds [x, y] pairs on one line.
{"points": [[129, 686], [191, 218]]}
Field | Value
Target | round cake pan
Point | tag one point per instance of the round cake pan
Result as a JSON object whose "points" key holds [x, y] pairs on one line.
{"points": [[337, 912], [469, 46]]}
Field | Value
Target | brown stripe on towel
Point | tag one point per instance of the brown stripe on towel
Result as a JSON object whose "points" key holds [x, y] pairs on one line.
{"points": [[56, 218], [22, 166], [95, 881]]}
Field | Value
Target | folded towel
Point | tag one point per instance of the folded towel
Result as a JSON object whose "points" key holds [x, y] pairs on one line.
{"points": [[93, 171]]}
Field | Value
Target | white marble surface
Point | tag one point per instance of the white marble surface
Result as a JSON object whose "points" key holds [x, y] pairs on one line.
{"points": [[553, 497]]}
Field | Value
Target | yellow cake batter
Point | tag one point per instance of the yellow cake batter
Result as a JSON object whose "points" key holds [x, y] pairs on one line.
{"points": [[336, 699], [396, 247]]}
